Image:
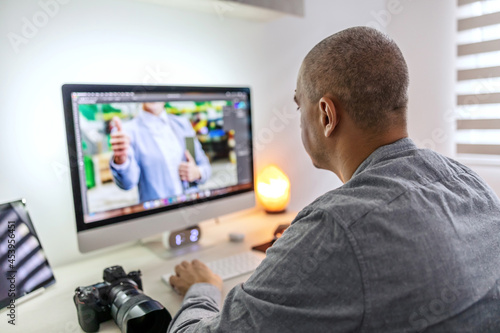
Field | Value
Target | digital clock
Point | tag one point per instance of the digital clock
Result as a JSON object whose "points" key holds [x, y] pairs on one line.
{"points": [[179, 238]]}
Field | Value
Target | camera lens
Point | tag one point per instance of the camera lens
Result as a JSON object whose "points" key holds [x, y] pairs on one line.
{"points": [[147, 317], [135, 312]]}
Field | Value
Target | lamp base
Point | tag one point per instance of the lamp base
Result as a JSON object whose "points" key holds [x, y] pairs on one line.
{"points": [[276, 211]]}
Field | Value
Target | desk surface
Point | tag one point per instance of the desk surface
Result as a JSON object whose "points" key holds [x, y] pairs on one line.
{"points": [[54, 311]]}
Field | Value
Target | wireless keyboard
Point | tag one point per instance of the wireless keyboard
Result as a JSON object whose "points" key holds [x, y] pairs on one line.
{"points": [[230, 267]]}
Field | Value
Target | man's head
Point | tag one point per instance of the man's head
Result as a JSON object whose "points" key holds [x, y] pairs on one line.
{"points": [[354, 82]]}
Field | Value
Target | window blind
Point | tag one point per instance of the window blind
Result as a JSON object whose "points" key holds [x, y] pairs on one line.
{"points": [[478, 76]]}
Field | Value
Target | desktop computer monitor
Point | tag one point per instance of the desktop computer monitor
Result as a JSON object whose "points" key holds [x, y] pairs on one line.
{"points": [[149, 159]]}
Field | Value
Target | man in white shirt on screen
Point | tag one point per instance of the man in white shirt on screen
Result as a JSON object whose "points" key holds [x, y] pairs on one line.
{"points": [[150, 152]]}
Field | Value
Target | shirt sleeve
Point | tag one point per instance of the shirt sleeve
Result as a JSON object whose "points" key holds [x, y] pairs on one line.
{"points": [[119, 167], [126, 175], [309, 282]]}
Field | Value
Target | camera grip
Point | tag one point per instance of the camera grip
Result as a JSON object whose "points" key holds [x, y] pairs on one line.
{"points": [[87, 319], [86, 308]]}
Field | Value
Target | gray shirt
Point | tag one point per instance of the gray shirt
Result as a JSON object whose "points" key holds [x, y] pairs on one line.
{"points": [[410, 244]]}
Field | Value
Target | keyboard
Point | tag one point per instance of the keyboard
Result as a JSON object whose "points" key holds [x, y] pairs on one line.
{"points": [[231, 266]]}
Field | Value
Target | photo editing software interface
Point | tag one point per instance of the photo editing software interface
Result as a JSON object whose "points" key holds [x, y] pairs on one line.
{"points": [[143, 152]]}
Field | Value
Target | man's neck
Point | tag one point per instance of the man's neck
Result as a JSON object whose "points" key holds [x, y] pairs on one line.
{"points": [[357, 148], [153, 112]]}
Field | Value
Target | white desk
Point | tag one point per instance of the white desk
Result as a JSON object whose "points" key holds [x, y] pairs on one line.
{"points": [[54, 311]]}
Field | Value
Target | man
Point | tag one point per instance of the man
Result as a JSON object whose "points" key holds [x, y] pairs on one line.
{"points": [[152, 154], [409, 243]]}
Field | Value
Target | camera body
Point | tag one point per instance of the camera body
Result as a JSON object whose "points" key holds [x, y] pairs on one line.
{"points": [[105, 300]]}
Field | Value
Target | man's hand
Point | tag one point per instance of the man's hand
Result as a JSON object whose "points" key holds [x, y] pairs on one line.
{"points": [[188, 274], [189, 171], [120, 142]]}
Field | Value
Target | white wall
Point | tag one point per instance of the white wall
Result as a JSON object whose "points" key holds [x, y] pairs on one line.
{"points": [[124, 41], [425, 30]]}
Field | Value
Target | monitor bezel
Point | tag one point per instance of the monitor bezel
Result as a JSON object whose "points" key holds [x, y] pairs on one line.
{"points": [[68, 89]]}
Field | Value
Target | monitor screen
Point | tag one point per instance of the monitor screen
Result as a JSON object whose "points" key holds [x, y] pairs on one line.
{"points": [[138, 151]]}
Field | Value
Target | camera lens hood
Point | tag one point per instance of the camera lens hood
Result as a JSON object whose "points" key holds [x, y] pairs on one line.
{"points": [[135, 312], [148, 316]]}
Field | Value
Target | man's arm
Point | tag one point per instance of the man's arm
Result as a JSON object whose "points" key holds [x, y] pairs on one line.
{"points": [[195, 169], [202, 161], [123, 164], [126, 175], [309, 281]]}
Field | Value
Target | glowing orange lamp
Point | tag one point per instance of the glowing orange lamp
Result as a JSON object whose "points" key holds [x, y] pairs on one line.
{"points": [[273, 189]]}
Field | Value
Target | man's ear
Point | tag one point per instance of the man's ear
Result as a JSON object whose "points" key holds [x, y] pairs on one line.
{"points": [[329, 115]]}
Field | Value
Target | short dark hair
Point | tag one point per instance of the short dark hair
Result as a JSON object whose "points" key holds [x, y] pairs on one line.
{"points": [[365, 71]]}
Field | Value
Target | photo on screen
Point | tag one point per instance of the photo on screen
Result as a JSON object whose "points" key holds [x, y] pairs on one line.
{"points": [[184, 132]]}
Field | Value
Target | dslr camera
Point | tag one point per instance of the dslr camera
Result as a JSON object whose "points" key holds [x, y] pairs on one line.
{"points": [[120, 297]]}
